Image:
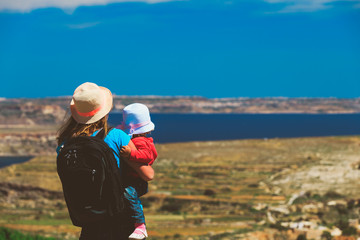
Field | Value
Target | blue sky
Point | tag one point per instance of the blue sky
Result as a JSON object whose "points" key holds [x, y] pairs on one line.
{"points": [[211, 48]]}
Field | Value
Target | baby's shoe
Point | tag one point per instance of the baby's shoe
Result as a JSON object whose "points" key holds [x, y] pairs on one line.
{"points": [[139, 232]]}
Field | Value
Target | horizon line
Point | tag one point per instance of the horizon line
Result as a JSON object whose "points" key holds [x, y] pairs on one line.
{"points": [[182, 96]]}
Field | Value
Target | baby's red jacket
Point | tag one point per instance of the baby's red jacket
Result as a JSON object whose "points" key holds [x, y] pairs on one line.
{"points": [[146, 152]]}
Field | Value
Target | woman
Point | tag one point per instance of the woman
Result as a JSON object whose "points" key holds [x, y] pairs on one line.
{"points": [[90, 107]]}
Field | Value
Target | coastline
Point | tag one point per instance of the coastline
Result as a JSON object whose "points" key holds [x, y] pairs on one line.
{"points": [[37, 140]]}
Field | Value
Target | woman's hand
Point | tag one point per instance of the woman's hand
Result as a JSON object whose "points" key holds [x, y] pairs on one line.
{"points": [[125, 152]]}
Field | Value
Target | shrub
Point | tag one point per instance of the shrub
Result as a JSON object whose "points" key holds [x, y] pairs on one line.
{"points": [[333, 195], [301, 237], [343, 223], [278, 226], [171, 205], [8, 234], [145, 202], [351, 204], [253, 185], [326, 235], [209, 192], [177, 235], [349, 231]]}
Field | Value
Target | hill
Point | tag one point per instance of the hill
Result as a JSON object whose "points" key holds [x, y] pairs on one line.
{"points": [[50, 111], [246, 189]]}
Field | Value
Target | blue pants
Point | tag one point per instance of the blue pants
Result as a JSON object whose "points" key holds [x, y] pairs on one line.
{"points": [[133, 191]]}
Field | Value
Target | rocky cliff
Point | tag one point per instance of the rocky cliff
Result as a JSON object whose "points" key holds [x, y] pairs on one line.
{"points": [[47, 111]]}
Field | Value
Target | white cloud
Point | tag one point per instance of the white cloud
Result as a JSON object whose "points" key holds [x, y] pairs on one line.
{"points": [[83, 25], [70, 5], [308, 5], [67, 5]]}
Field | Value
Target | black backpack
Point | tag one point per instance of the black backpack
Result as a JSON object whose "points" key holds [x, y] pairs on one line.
{"points": [[91, 179]]}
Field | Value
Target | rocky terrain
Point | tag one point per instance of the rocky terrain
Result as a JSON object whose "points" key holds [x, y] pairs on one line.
{"points": [[30, 112], [31, 143], [248, 189], [50, 111]]}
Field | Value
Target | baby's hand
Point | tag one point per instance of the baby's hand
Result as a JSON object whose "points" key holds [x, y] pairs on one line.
{"points": [[125, 151]]}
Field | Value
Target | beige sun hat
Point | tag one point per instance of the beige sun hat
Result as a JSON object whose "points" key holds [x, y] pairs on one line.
{"points": [[90, 103]]}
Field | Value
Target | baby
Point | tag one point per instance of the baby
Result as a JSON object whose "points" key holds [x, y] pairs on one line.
{"points": [[137, 123]]}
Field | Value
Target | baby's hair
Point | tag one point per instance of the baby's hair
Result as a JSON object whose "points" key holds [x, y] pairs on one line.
{"points": [[140, 134]]}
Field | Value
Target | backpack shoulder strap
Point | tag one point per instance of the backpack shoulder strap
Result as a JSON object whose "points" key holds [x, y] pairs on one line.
{"points": [[101, 135]]}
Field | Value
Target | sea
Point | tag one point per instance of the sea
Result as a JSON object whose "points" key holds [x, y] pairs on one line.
{"points": [[171, 128], [208, 127], [10, 160]]}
